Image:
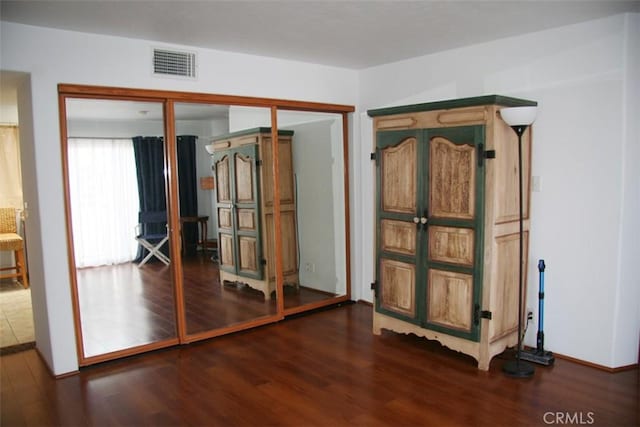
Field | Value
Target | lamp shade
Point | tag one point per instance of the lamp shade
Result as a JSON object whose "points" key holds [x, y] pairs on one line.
{"points": [[209, 148], [519, 116]]}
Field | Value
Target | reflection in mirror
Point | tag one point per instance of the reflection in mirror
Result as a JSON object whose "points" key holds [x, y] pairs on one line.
{"points": [[313, 221], [118, 206], [224, 237]]}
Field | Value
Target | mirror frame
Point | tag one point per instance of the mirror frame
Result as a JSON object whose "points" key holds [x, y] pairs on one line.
{"points": [[168, 100]]}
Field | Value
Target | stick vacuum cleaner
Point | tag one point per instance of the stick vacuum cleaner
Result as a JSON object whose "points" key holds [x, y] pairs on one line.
{"points": [[539, 354]]}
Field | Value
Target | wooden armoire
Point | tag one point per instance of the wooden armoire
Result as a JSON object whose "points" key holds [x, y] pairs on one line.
{"points": [[244, 208], [447, 223]]}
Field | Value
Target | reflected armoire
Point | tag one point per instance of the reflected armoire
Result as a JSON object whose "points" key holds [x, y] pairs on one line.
{"points": [[244, 208], [447, 223]]}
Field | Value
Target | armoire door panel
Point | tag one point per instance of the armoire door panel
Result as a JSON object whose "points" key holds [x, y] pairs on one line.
{"points": [[225, 219], [223, 182], [399, 177], [248, 262], [507, 207], [398, 237], [504, 295], [398, 287], [450, 299], [244, 178], [227, 251], [289, 246], [285, 167], [452, 245], [452, 179], [247, 220]]}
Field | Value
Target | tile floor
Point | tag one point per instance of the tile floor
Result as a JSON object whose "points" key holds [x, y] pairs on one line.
{"points": [[16, 317]]}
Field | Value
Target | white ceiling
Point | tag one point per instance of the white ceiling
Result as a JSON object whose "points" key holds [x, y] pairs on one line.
{"points": [[350, 34]]}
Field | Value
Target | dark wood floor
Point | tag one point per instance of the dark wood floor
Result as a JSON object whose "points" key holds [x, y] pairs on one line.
{"points": [[322, 369], [124, 306]]}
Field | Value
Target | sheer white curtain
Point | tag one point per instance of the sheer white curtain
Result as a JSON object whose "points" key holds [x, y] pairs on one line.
{"points": [[10, 178], [104, 200]]}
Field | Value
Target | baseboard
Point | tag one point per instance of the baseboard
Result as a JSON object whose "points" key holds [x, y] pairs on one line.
{"points": [[591, 364], [58, 377], [361, 301]]}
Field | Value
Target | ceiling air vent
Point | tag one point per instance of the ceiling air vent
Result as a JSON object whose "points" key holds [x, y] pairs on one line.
{"points": [[174, 63]]}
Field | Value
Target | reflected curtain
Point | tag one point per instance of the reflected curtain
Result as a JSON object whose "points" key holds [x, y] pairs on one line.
{"points": [[188, 187], [149, 160], [149, 156], [104, 200]]}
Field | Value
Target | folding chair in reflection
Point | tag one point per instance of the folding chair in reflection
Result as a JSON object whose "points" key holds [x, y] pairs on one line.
{"points": [[151, 234]]}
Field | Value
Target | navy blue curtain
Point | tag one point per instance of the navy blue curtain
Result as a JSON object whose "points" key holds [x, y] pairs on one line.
{"points": [[188, 188], [149, 157]]}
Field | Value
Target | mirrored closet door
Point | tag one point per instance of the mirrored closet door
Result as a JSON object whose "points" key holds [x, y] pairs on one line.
{"points": [[224, 248], [117, 205], [193, 215], [313, 209]]}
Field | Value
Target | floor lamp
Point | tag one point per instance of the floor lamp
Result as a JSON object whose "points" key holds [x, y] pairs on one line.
{"points": [[519, 118]]}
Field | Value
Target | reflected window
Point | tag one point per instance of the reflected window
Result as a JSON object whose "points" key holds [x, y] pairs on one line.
{"points": [[116, 175]]}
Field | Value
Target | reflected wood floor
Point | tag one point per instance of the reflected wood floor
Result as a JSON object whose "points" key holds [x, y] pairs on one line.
{"points": [[322, 369], [124, 306]]}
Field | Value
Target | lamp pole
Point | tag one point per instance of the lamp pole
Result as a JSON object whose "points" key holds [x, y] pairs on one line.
{"points": [[519, 368], [519, 118]]}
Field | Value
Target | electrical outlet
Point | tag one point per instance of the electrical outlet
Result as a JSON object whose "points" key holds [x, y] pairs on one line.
{"points": [[529, 315], [310, 267]]}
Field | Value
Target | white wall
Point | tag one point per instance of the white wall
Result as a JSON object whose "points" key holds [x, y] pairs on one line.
{"points": [[52, 57], [318, 168], [36, 220], [627, 308], [586, 217]]}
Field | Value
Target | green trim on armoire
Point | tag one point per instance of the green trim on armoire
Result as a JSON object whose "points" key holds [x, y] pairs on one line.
{"points": [[505, 101]]}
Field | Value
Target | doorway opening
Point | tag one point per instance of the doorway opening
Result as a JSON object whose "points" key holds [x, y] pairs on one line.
{"points": [[16, 313]]}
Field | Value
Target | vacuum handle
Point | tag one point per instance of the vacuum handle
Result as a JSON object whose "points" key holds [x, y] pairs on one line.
{"points": [[540, 336], [541, 265]]}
